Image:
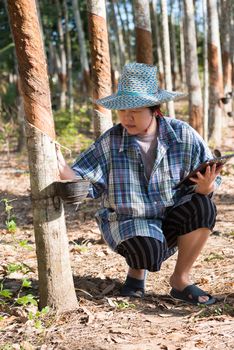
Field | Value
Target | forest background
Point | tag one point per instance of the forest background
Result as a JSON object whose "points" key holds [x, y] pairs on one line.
{"points": [[191, 42], [199, 61]]}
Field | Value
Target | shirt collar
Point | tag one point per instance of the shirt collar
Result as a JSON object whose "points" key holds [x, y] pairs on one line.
{"points": [[166, 135]]}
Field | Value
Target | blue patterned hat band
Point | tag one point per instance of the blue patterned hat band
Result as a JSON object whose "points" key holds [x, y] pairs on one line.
{"points": [[138, 87]]}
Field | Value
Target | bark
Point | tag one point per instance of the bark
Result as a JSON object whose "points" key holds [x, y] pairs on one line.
{"points": [[167, 55], [69, 60], [215, 75], [182, 51], [100, 57], [62, 74], [144, 49], [206, 74], [82, 47], [158, 42], [226, 14], [128, 34], [193, 81], [122, 32], [175, 65], [56, 286], [120, 49]]}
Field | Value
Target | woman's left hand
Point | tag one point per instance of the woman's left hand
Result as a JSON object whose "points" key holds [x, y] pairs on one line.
{"points": [[205, 182]]}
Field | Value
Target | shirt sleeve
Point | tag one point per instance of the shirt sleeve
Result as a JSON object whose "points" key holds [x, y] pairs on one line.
{"points": [[93, 166]]}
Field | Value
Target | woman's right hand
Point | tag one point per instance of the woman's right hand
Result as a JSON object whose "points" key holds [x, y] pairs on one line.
{"points": [[65, 172]]}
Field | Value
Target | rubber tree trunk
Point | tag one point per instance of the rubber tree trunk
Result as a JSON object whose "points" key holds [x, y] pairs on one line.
{"points": [[144, 48], [206, 74], [56, 286], [156, 26], [193, 81], [215, 75], [226, 8], [167, 56], [100, 57], [175, 65], [120, 49], [82, 47], [62, 73], [182, 50], [69, 59]]}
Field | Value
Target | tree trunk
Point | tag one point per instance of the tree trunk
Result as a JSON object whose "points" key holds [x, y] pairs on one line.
{"points": [[120, 50], [56, 286], [182, 51], [128, 35], [215, 76], [226, 14], [122, 32], [193, 81], [82, 47], [175, 65], [69, 59], [167, 56], [62, 74], [205, 75], [232, 54], [158, 40], [144, 49], [100, 57]]}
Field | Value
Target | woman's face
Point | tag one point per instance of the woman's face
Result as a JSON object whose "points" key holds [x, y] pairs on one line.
{"points": [[137, 121]]}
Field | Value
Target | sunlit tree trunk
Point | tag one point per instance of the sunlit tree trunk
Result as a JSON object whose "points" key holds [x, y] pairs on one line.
{"points": [[182, 51], [69, 59], [215, 75], [193, 81], [167, 56], [56, 286], [120, 49], [205, 74], [144, 48], [128, 34], [175, 65], [82, 47], [62, 73], [100, 57], [158, 40], [226, 13], [122, 31], [232, 54]]}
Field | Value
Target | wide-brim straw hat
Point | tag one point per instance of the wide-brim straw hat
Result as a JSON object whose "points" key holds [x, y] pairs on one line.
{"points": [[138, 87]]}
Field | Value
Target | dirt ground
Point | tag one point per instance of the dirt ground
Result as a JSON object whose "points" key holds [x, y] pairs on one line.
{"points": [[104, 320]]}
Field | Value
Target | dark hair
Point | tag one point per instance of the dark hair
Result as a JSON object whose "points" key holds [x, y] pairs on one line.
{"points": [[154, 108]]}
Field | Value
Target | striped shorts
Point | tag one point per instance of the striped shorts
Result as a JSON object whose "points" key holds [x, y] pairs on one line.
{"points": [[149, 253]]}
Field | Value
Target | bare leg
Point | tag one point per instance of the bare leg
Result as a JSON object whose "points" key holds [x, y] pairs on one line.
{"points": [[189, 248], [136, 273]]}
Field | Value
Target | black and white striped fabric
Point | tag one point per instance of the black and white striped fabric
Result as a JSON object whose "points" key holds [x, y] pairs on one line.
{"points": [[149, 253]]}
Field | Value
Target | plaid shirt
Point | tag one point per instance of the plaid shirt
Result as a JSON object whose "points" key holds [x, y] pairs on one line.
{"points": [[131, 204]]}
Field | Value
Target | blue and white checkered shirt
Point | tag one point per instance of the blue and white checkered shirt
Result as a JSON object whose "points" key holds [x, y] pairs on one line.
{"points": [[131, 204]]}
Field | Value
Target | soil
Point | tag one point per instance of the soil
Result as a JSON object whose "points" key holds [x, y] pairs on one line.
{"points": [[103, 319]]}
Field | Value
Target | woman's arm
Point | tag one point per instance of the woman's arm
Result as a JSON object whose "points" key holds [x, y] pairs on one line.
{"points": [[65, 172]]}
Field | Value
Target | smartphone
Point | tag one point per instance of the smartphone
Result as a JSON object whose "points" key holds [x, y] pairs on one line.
{"points": [[202, 168]]}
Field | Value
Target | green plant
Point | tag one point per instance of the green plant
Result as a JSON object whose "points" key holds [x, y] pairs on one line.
{"points": [[81, 248], [26, 283], [10, 220], [214, 256], [5, 293], [24, 244], [38, 316], [14, 267], [124, 305], [6, 347], [26, 300]]}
